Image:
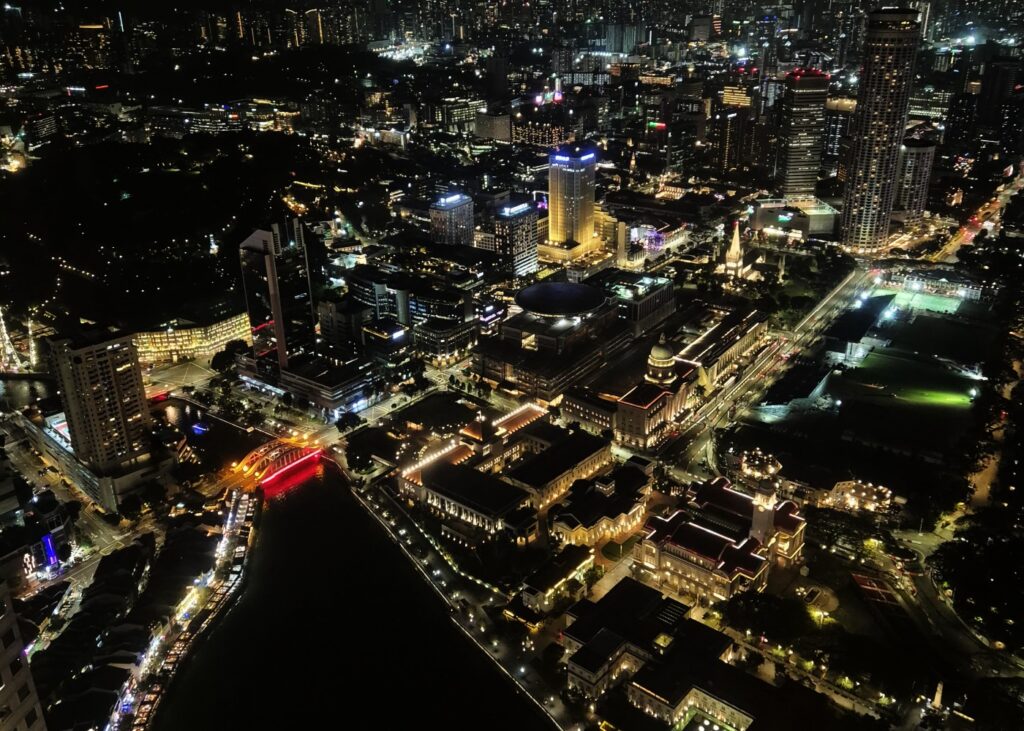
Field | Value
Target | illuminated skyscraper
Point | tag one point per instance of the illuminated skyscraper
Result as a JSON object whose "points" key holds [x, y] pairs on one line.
{"points": [[890, 47], [802, 134], [838, 113], [515, 238], [451, 220], [915, 172], [279, 274], [100, 383], [571, 195]]}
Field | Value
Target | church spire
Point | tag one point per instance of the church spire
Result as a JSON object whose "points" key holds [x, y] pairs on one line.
{"points": [[734, 256]]}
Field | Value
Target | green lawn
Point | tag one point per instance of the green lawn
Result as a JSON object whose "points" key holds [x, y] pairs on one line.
{"points": [[911, 378], [904, 399], [964, 342]]}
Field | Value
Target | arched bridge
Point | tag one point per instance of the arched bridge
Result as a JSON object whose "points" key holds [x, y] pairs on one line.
{"points": [[272, 460]]}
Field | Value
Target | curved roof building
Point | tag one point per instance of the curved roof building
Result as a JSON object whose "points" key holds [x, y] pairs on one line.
{"points": [[560, 299]]}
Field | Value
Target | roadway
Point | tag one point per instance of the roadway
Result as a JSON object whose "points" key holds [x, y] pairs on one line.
{"points": [[942, 619], [697, 430], [96, 537], [991, 210]]}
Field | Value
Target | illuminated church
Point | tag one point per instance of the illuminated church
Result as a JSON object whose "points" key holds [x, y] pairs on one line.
{"points": [[740, 262]]}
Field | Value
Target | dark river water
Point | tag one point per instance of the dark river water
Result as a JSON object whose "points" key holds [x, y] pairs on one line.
{"points": [[335, 630], [16, 394]]}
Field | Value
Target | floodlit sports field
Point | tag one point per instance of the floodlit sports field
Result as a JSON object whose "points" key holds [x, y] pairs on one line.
{"points": [[922, 301], [906, 379], [906, 400]]}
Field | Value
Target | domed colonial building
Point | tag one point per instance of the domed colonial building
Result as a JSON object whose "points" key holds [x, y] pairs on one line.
{"points": [[661, 363]]}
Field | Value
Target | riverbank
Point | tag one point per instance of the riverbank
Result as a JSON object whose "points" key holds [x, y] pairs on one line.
{"points": [[466, 624], [205, 603]]}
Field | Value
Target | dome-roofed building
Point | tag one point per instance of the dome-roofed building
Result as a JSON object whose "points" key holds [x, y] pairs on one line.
{"points": [[565, 332], [661, 363], [560, 299]]}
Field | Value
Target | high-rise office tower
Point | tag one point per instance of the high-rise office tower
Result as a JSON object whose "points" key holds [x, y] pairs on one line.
{"points": [[890, 46], [279, 275], [915, 172], [1011, 127], [571, 176], [730, 131], [515, 238], [315, 34], [802, 132], [765, 50], [1000, 78], [497, 75], [104, 400], [451, 220], [838, 113], [19, 703], [960, 119]]}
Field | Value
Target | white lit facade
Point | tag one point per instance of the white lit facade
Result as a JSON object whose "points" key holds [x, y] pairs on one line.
{"points": [[890, 48]]}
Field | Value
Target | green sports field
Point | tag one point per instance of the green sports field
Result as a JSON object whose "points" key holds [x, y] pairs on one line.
{"points": [[921, 301], [906, 399]]}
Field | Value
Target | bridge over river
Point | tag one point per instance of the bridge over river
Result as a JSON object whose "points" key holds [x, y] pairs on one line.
{"points": [[270, 462]]}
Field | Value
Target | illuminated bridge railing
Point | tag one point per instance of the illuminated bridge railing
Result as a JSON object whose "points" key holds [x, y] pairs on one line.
{"points": [[254, 457], [274, 459]]}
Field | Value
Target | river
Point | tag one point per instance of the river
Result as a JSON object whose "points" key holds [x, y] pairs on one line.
{"points": [[17, 393], [335, 629]]}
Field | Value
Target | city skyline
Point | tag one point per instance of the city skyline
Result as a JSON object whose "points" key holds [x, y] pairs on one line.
{"points": [[634, 366]]}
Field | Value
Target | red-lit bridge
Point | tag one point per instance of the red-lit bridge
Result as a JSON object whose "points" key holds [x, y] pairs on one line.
{"points": [[273, 460]]}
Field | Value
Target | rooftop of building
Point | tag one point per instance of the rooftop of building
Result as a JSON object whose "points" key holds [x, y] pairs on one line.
{"points": [[561, 567], [585, 504], [543, 363], [527, 416], [442, 412], [560, 299], [596, 653], [543, 325], [674, 676], [643, 395], [592, 398], [540, 469], [476, 490], [712, 343], [567, 153], [81, 338], [627, 285], [546, 432], [854, 324], [630, 609], [731, 556], [809, 206], [200, 312], [518, 210], [452, 200], [325, 372], [801, 72], [720, 500]]}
